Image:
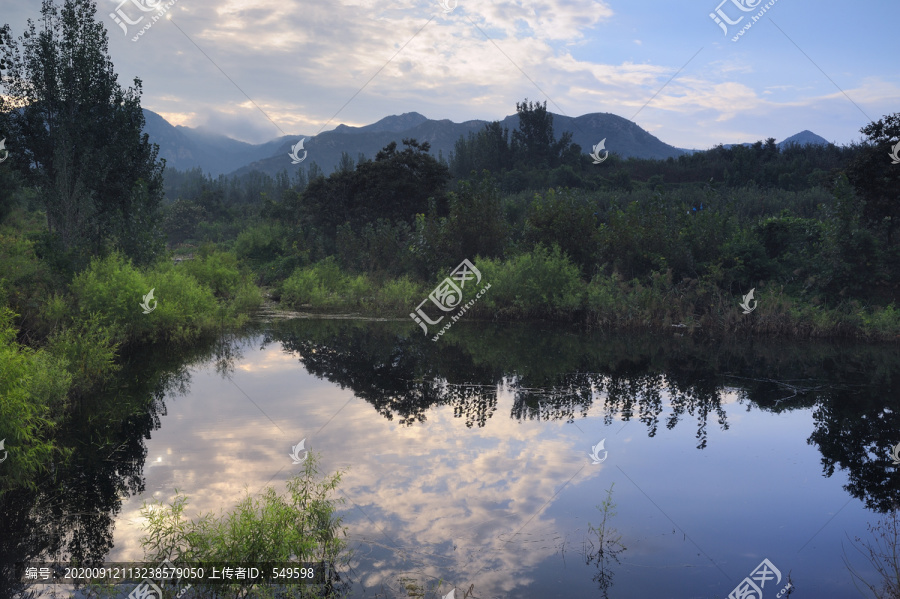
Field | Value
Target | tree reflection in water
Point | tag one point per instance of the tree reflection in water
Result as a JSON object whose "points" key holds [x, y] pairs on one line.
{"points": [[550, 375], [559, 376], [70, 516]]}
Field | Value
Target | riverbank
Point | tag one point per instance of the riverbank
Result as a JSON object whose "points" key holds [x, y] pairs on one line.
{"points": [[544, 285]]}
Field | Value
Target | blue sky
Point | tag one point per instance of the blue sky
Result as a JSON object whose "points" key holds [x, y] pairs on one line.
{"points": [[826, 66]]}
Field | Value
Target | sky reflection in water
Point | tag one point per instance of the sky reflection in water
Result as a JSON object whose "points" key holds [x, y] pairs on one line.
{"points": [[506, 506]]}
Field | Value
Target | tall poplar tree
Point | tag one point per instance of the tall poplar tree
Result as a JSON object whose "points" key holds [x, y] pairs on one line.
{"points": [[78, 135]]}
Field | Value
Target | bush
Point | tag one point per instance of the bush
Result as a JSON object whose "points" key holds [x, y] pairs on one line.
{"points": [[217, 270], [33, 388], [181, 219], [540, 283], [612, 302], [89, 352], [323, 285], [113, 288], [260, 243], [297, 528], [28, 279], [566, 219], [399, 294]]}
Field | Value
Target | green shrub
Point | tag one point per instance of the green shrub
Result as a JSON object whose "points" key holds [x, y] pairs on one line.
{"points": [[299, 527], [260, 243], [323, 286], [33, 387], [612, 302], [303, 288], [566, 219], [399, 294], [217, 270], [884, 322], [358, 290], [247, 297], [114, 289], [89, 352], [540, 283], [29, 279], [181, 219]]}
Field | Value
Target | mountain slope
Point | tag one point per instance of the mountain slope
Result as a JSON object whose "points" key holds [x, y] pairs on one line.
{"points": [[186, 147], [622, 137]]}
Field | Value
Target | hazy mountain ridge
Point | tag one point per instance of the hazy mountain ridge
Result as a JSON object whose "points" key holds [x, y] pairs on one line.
{"points": [[186, 147]]}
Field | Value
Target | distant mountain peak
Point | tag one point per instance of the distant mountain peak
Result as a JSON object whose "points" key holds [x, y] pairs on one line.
{"points": [[397, 123], [805, 137]]}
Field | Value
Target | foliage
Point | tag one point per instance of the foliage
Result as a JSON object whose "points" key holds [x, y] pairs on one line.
{"points": [[25, 279], [181, 220], [396, 186], [260, 243], [486, 150], [568, 220], [540, 283], [323, 285], [534, 142], [874, 176], [300, 526], [89, 353], [113, 288], [473, 226], [78, 135], [215, 269], [613, 303], [379, 248], [399, 295], [33, 389], [533, 147]]}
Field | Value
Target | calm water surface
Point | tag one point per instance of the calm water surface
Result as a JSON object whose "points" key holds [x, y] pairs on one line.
{"points": [[468, 461]]}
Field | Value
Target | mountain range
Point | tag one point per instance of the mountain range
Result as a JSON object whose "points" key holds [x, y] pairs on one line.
{"points": [[216, 154]]}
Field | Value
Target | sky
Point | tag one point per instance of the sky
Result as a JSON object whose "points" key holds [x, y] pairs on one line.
{"points": [[259, 69]]}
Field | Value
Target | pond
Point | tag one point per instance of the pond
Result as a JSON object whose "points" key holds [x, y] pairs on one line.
{"points": [[482, 461]]}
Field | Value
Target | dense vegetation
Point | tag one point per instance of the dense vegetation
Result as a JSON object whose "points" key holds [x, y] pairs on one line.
{"points": [[626, 243]]}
